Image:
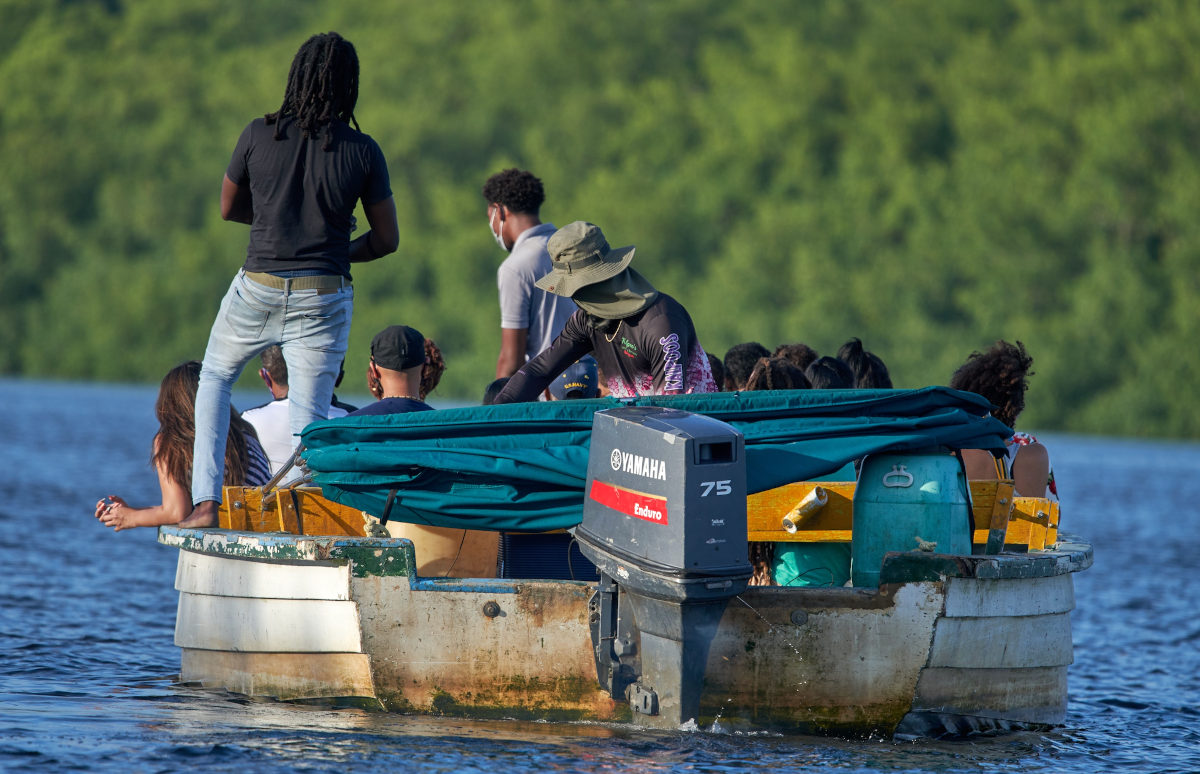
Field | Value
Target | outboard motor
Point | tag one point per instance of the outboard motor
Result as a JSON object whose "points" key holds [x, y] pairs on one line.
{"points": [[664, 520]]}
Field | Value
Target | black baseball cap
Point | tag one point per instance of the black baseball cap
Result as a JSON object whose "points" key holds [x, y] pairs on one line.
{"points": [[398, 348]]}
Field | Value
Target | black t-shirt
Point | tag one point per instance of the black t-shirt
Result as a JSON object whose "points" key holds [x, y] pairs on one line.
{"points": [[654, 352], [392, 406], [304, 197]]}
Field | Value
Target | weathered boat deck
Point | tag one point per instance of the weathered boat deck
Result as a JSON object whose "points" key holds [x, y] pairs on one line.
{"points": [[946, 644]]}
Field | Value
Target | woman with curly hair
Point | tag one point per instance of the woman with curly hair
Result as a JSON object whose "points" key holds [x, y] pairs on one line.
{"points": [[1001, 375], [245, 460]]}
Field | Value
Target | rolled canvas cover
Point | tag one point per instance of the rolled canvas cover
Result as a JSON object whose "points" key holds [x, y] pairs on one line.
{"points": [[523, 466]]}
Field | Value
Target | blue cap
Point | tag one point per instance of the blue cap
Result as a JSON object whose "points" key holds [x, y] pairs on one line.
{"points": [[581, 380]]}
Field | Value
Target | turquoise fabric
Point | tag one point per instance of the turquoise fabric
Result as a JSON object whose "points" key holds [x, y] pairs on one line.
{"points": [[523, 466], [811, 564]]}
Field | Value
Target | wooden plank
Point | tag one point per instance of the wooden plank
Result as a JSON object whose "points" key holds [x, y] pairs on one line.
{"points": [[262, 514], [976, 597], [765, 510], [1034, 520], [832, 523], [246, 510], [998, 517], [228, 577], [1052, 529], [319, 516], [286, 676], [289, 516], [1037, 695], [802, 536], [267, 625], [232, 512], [1002, 642]]}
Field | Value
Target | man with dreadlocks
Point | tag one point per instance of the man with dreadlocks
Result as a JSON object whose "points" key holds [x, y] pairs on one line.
{"points": [[295, 178]]}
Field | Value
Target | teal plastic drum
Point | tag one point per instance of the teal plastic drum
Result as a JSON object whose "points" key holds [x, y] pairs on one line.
{"points": [[908, 502]]}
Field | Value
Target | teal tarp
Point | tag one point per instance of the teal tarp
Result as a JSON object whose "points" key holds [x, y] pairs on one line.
{"points": [[523, 466]]}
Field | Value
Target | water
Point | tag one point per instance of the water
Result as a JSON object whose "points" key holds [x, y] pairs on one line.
{"points": [[87, 677]]}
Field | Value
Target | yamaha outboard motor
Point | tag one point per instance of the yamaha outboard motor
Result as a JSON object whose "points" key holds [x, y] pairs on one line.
{"points": [[664, 520]]}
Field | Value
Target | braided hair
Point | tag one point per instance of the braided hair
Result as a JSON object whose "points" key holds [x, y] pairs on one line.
{"points": [[435, 366], [322, 87], [776, 373]]}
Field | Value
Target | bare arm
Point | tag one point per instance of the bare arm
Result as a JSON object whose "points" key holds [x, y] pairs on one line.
{"points": [[384, 236], [176, 504], [512, 351], [236, 203], [537, 374]]}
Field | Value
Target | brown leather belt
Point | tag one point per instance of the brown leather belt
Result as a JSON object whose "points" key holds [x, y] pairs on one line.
{"points": [[327, 282]]}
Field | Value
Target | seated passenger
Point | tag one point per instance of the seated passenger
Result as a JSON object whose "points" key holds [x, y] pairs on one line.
{"points": [[493, 389], [394, 374], [245, 462], [579, 381], [869, 371], [1001, 375], [829, 373], [643, 340], [800, 354], [739, 361], [271, 420], [394, 371], [776, 373], [718, 370]]}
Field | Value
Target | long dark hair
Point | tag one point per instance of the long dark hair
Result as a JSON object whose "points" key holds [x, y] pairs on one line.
{"points": [[176, 412], [322, 86], [869, 369]]}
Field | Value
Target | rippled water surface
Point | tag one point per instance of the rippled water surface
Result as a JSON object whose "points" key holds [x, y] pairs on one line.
{"points": [[87, 678]]}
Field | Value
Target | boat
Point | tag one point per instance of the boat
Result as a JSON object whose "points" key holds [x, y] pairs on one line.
{"points": [[294, 597]]}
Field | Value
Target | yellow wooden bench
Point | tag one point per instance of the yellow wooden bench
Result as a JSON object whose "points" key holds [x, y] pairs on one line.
{"points": [[1015, 521], [998, 515], [1034, 523], [299, 511]]}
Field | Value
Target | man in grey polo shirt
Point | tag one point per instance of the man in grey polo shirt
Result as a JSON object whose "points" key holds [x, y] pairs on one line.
{"points": [[530, 318]]}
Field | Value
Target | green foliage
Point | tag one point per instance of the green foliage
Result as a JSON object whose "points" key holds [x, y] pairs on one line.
{"points": [[928, 176]]}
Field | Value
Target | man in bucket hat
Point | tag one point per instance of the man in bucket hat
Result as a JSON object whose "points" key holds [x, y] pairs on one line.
{"points": [[643, 340]]}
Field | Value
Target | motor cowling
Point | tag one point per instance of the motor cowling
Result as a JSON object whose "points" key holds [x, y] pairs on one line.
{"points": [[664, 520]]}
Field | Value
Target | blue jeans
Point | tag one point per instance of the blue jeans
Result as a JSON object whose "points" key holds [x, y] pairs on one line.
{"points": [[312, 328]]}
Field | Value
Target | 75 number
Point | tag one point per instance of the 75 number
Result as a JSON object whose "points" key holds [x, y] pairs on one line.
{"points": [[722, 487]]}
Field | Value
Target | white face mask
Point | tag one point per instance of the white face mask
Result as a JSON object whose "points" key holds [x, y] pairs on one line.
{"points": [[496, 231]]}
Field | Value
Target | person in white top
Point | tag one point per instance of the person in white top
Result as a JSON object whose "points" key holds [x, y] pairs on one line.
{"points": [[270, 420], [530, 318]]}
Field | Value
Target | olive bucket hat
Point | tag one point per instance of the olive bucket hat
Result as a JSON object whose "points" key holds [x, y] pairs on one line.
{"points": [[581, 256]]}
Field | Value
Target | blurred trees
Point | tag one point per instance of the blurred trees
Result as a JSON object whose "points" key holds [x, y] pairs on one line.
{"points": [[927, 176]]}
